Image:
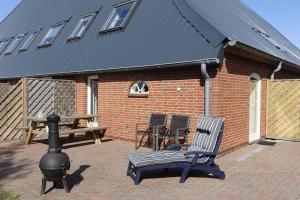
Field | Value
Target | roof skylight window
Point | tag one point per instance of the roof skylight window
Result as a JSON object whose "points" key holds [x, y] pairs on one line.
{"points": [[29, 41], [13, 44], [82, 26], [120, 15], [3, 45], [51, 35]]}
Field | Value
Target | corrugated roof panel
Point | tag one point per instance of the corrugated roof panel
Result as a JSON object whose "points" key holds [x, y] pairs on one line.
{"points": [[235, 20], [156, 34]]}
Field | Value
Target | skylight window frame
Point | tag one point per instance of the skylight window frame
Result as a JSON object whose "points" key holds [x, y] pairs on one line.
{"points": [[25, 48], [8, 40], [9, 49], [93, 16], [42, 43], [126, 20]]}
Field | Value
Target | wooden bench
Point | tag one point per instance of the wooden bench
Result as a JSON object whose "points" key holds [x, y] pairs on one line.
{"points": [[27, 128], [98, 132]]}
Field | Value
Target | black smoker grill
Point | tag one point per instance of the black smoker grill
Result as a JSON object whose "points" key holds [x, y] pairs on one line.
{"points": [[54, 164]]}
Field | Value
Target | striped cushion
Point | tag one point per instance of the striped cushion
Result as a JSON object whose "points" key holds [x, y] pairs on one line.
{"points": [[141, 159], [197, 148], [208, 129]]}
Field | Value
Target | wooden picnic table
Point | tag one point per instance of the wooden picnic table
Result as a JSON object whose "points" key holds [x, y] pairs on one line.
{"points": [[35, 124]]}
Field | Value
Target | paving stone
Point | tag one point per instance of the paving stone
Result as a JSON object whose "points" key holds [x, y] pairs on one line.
{"points": [[98, 172]]}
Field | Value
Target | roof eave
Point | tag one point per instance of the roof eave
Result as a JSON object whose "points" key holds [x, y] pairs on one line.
{"points": [[292, 66], [208, 61]]}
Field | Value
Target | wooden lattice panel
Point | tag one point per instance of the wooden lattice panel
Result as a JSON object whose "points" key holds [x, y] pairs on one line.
{"points": [[4, 89], [64, 96], [40, 97], [11, 113], [283, 110]]}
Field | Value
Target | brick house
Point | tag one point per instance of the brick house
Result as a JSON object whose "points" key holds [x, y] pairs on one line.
{"points": [[130, 59]]}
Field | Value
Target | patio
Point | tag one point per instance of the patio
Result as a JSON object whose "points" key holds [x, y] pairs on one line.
{"points": [[98, 172]]}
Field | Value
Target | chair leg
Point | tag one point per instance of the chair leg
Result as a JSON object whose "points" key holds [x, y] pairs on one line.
{"points": [[135, 141], [137, 177], [221, 175], [128, 169], [184, 174]]}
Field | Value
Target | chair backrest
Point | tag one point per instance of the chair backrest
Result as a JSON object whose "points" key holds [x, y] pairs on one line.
{"points": [[179, 121], [157, 120], [208, 134]]}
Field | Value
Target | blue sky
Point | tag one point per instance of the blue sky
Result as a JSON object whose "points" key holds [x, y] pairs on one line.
{"points": [[284, 15]]}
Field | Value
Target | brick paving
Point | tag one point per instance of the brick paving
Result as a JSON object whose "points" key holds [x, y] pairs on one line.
{"points": [[98, 172]]}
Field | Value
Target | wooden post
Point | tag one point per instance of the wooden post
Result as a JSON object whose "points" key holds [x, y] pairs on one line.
{"points": [[24, 105]]}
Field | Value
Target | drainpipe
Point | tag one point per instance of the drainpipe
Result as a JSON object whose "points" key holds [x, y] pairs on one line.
{"points": [[206, 89], [276, 70]]}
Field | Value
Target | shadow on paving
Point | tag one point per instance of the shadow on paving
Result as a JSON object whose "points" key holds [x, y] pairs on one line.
{"points": [[12, 167], [73, 179]]}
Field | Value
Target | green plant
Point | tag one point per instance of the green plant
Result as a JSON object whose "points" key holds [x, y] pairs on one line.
{"points": [[66, 110], [7, 195]]}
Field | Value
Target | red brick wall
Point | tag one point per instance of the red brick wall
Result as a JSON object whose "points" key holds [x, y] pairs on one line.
{"points": [[230, 97], [121, 112]]}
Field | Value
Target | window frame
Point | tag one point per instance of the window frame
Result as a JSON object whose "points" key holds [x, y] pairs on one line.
{"points": [[105, 29], [41, 44], [10, 49], [8, 40], [93, 16], [22, 48], [138, 94]]}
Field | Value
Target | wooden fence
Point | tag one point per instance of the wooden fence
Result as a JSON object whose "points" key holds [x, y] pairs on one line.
{"points": [[30, 97], [283, 110]]}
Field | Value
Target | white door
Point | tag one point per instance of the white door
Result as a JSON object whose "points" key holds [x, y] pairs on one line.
{"points": [[254, 110], [92, 95]]}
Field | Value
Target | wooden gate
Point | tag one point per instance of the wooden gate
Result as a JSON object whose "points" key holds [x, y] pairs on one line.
{"points": [[283, 110]]}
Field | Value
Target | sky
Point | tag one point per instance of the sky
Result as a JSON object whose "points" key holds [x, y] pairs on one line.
{"points": [[284, 15]]}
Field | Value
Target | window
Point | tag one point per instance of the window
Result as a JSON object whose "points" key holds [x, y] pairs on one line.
{"points": [[29, 41], [3, 45], [139, 87], [13, 45], [82, 26], [51, 35], [120, 15]]}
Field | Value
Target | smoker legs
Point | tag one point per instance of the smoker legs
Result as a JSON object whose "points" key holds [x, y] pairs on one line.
{"points": [[64, 181], [43, 188], [65, 184]]}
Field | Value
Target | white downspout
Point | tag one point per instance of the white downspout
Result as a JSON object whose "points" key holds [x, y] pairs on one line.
{"points": [[279, 67]]}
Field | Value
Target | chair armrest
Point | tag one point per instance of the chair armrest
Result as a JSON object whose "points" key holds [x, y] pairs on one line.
{"points": [[198, 155], [179, 130], [176, 146], [140, 124], [203, 153]]}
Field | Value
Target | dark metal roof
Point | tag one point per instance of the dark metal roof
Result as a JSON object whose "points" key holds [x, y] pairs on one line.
{"points": [[160, 32], [237, 22], [156, 34]]}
